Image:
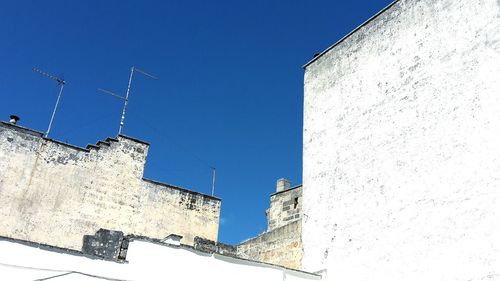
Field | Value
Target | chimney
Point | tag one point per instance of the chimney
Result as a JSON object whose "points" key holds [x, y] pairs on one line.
{"points": [[282, 184], [14, 119]]}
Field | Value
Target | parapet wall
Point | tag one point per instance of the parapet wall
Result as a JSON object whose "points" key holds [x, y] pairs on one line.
{"points": [[146, 260], [54, 193], [281, 246]]}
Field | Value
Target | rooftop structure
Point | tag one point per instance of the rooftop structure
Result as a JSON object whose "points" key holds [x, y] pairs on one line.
{"points": [[48, 185]]}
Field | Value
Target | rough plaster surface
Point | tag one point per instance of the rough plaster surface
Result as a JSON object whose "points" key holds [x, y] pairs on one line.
{"points": [[281, 246], [285, 207], [54, 193], [402, 149]]}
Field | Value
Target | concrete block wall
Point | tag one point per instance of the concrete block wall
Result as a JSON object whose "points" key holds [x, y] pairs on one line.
{"points": [[402, 149], [54, 193]]}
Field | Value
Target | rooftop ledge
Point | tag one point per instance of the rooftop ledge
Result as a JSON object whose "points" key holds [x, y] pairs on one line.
{"points": [[41, 135], [349, 34], [286, 190]]}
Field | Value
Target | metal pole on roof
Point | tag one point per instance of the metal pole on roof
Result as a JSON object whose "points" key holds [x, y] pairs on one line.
{"points": [[129, 86], [213, 181], [55, 109], [126, 99]]}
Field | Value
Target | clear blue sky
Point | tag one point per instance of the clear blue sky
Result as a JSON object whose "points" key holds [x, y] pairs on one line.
{"points": [[229, 95]]}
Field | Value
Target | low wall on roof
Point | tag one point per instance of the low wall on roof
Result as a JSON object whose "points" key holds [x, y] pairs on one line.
{"points": [[54, 193], [146, 260], [282, 246]]}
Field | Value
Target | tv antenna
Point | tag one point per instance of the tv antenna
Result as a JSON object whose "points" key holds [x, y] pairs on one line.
{"points": [[125, 99], [213, 180], [61, 83]]}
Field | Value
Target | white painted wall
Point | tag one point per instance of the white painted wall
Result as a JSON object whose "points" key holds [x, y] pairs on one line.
{"points": [[402, 147], [146, 261]]}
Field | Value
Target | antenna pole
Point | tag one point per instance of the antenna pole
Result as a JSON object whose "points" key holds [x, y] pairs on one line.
{"points": [[126, 100], [55, 109], [213, 181]]}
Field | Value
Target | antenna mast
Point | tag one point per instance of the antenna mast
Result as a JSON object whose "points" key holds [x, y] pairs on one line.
{"points": [[61, 83], [125, 99], [213, 181]]}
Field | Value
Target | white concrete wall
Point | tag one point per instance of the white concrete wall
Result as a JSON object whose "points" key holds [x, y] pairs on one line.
{"points": [[402, 147], [146, 261]]}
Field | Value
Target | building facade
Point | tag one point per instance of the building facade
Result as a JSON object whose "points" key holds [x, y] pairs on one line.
{"points": [[401, 146], [54, 193]]}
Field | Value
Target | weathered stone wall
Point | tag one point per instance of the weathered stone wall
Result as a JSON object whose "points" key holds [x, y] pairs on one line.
{"points": [[402, 149], [55, 193], [281, 246], [285, 207], [281, 243]]}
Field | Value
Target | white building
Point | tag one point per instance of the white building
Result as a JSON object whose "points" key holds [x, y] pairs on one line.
{"points": [[402, 146]]}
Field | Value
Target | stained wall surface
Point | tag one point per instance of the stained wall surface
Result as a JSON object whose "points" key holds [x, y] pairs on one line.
{"points": [[281, 246], [402, 147], [54, 193], [285, 207]]}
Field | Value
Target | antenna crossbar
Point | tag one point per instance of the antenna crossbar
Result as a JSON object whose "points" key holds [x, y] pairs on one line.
{"points": [[125, 99], [145, 73], [110, 93]]}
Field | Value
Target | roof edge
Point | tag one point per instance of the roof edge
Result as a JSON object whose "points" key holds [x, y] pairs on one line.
{"points": [[350, 33], [52, 248], [22, 128], [42, 135], [181, 189], [133, 139], [192, 248], [286, 190]]}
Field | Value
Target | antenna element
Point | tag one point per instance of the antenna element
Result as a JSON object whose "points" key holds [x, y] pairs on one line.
{"points": [[213, 181], [61, 83], [125, 99]]}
